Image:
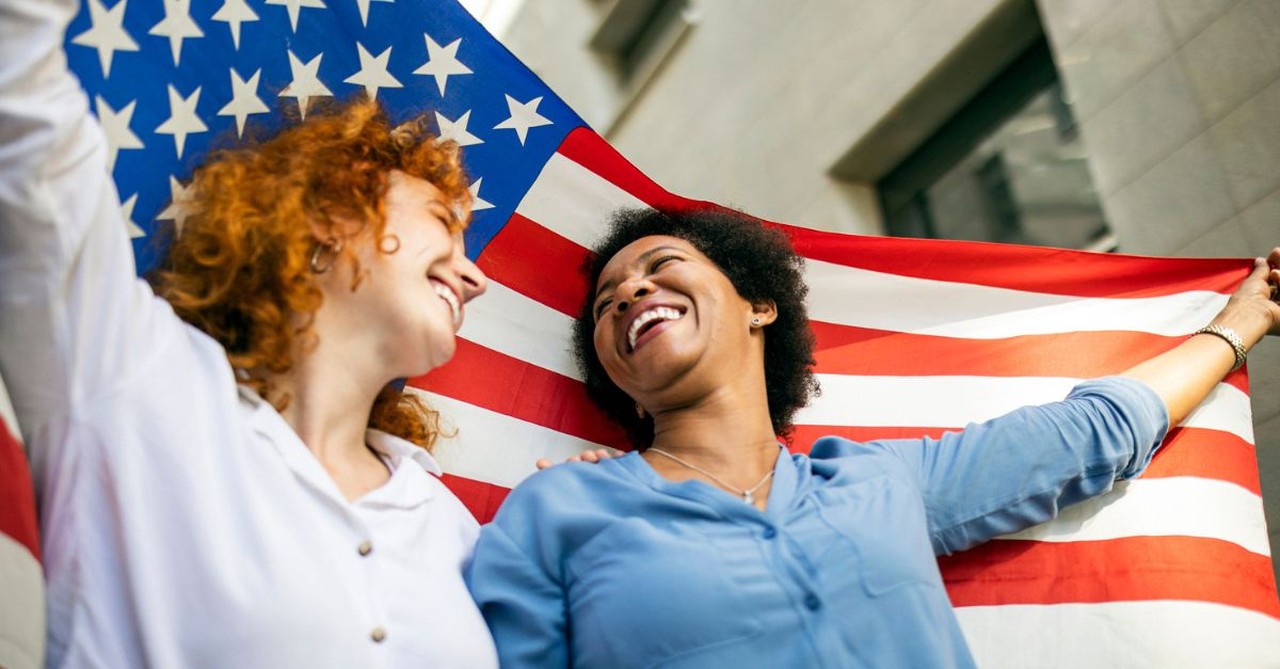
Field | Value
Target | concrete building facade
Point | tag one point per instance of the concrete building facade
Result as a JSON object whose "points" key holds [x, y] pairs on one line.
{"points": [[799, 111]]}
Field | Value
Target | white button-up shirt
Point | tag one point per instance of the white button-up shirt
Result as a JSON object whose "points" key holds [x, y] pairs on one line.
{"points": [[184, 522]]}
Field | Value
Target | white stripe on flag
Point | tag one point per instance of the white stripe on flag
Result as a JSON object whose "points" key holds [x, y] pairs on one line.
{"points": [[519, 326], [523, 328], [494, 447], [1162, 634], [1174, 506], [863, 298], [6, 412], [573, 201], [1168, 507], [21, 607], [955, 401]]}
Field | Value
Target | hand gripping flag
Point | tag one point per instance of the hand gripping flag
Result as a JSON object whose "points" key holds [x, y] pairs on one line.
{"points": [[914, 337]]}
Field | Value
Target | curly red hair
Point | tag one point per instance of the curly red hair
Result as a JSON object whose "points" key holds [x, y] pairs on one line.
{"points": [[240, 268]]}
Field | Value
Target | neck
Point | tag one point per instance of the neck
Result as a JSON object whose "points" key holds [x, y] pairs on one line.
{"points": [[726, 433], [331, 394]]}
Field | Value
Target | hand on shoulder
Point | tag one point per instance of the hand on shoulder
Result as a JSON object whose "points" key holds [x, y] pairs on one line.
{"points": [[593, 457]]}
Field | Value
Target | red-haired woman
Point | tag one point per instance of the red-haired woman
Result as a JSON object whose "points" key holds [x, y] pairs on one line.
{"points": [[227, 476]]}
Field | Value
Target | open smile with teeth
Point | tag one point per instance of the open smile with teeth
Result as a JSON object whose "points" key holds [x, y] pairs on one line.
{"points": [[446, 293], [650, 318]]}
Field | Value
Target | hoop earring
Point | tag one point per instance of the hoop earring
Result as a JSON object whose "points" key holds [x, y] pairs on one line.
{"points": [[334, 247], [391, 250]]}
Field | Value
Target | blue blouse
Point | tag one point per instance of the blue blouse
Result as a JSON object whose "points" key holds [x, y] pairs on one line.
{"points": [[613, 566]]}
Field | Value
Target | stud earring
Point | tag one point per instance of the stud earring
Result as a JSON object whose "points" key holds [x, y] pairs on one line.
{"points": [[755, 322]]}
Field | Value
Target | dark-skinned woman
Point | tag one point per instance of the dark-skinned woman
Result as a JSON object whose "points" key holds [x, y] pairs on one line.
{"points": [[712, 546]]}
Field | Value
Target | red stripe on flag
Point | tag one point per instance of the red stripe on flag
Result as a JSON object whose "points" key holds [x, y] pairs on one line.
{"points": [[1026, 268], [843, 349], [537, 263], [17, 497], [585, 147], [861, 351], [1210, 454], [481, 499], [1114, 570], [523, 391]]}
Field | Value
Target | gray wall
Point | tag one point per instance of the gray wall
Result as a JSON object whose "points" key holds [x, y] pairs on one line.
{"points": [[793, 110], [1179, 105]]}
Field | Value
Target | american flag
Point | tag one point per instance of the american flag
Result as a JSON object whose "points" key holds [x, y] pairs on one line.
{"points": [[914, 337], [21, 579]]}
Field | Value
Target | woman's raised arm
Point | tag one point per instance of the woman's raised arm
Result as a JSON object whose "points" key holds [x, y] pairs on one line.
{"points": [[74, 319]]}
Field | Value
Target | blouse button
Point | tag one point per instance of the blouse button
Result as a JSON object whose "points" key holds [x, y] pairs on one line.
{"points": [[770, 533], [364, 548], [812, 602], [378, 635]]}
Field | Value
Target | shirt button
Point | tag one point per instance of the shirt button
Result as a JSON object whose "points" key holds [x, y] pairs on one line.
{"points": [[364, 548], [812, 602], [378, 635], [769, 533]]}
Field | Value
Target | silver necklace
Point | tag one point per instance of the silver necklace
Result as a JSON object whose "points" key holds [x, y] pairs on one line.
{"points": [[748, 495]]}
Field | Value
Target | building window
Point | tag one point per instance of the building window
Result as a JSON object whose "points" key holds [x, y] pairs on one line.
{"points": [[636, 35], [1008, 167]]}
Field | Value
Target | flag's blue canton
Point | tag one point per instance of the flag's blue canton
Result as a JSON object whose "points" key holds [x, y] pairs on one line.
{"points": [[144, 76]]}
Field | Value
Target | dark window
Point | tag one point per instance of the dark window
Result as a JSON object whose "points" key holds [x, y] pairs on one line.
{"points": [[1008, 167], [635, 33]]}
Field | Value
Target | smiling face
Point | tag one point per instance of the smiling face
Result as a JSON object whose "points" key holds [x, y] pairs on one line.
{"points": [[669, 325], [413, 284]]}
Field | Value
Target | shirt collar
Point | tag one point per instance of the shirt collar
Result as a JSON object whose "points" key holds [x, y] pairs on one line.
{"points": [[398, 449]]}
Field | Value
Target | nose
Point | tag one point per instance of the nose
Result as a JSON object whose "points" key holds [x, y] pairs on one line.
{"points": [[633, 290], [474, 282]]}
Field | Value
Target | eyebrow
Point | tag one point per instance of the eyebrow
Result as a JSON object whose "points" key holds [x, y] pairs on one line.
{"points": [[644, 257], [444, 211]]}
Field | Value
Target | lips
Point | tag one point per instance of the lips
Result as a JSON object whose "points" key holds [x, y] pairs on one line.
{"points": [[450, 298], [647, 320]]}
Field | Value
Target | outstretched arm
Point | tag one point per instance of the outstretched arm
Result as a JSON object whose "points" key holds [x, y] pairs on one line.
{"points": [[1184, 376]]}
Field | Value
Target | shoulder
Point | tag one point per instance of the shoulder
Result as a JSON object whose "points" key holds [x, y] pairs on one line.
{"points": [[564, 487], [838, 451], [840, 458]]}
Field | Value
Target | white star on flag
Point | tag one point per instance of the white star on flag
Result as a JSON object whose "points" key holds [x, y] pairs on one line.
{"points": [[115, 125], [457, 130], [107, 34], [233, 13], [183, 119], [244, 100], [442, 62], [126, 210], [295, 7], [177, 25], [524, 115], [180, 207], [373, 72], [364, 9], [306, 82], [478, 203]]}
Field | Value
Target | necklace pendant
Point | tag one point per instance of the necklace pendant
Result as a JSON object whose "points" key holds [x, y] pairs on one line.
{"points": [[748, 497]]}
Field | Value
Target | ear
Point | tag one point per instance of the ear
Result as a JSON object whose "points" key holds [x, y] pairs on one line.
{"points": [[765, 310]]}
